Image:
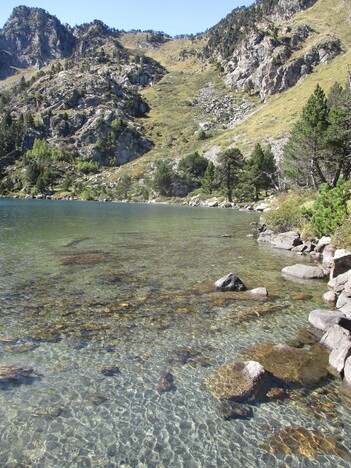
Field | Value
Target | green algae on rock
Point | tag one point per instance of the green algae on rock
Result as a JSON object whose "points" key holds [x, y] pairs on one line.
{"points": [[299, 441], [240, 380], [292, 365]]}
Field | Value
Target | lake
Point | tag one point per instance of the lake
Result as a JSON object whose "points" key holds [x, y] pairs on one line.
{"points": [[103, 300]]}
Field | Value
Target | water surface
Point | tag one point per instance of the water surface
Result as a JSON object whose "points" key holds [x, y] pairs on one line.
{"points": [[103, 299]]}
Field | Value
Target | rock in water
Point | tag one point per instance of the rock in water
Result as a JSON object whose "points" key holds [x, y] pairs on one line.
{"points": [[229, 409], [291, 365], [166, 383], [230, 282], [12, 373], [238, 381], [322, 319], [304, 271], [286, 240]]}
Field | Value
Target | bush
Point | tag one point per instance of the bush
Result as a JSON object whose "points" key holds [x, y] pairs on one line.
{"points": [[329, 210], [86, 167], [287, 216], [342, 235]]}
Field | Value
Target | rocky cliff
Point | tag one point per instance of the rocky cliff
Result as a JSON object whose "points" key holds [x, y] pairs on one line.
{"points": [[88, 103], [33, 38], [257, 52]]}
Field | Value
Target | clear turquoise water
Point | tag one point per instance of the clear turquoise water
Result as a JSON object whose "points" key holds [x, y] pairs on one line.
{"points": [[86, 287]]}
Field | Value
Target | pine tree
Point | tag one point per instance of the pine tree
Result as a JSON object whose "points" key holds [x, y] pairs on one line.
{"points": [[208, 180], [230, 165], [303, 154]]}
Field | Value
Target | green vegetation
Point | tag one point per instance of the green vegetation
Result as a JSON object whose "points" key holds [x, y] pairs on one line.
{"points": [[319, 145], [288, 215], [329, 210]]}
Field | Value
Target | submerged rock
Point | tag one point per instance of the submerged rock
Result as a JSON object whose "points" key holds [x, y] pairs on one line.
{"points": [[292, 365], [299, 441], [230, 282], [166, 383], [110, 371], [229, 409], [85, 258], [237, 381], [11, 373]]}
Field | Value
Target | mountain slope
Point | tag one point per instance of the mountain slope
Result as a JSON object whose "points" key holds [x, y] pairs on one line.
{"points": [[132, 98]]}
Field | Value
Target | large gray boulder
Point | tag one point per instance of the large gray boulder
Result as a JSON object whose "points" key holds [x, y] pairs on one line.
{"points": [[286, 240], [323, 319], [341, 262], [304, 271], [346, 310], [230, 282], [330, 298], [343, 300], [340, 353], [333, 336], [266, 236], [339, 282], [322, 243], [347, 371]]}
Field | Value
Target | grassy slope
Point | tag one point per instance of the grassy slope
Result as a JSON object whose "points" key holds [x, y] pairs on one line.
{"points": [[172, 123]]}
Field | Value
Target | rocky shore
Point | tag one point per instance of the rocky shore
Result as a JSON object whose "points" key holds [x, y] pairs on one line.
{"points": [[268, 370]]}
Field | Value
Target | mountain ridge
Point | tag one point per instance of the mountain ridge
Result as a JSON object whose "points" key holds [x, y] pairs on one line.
{"points": [[161, 92]]}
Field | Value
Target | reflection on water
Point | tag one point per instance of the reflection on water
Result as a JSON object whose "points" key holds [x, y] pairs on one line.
{"points": [[113, 307]]}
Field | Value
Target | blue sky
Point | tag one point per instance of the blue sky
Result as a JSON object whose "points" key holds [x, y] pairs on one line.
{"points": [[171, 16]]}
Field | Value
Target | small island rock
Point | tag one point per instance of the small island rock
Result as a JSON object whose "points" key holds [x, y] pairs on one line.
{"points": [[230, 282]]}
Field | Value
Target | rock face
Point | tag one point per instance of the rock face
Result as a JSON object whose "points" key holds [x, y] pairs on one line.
{"points": [[230, 282], [237, 381], [341, 262], [260, 60], [32, 38], [304, 271], [89, 103]]}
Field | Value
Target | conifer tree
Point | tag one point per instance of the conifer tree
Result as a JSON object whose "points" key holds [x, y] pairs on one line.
{"points": [[208, 180], [303, 153], [230, 165]]}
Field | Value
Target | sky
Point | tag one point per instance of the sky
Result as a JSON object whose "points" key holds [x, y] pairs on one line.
{"points": [[170, 16]]}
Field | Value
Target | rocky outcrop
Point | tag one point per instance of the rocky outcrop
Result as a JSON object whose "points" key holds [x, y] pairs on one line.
{"points": [[259, 60], [33, 38], [262, 63]]}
